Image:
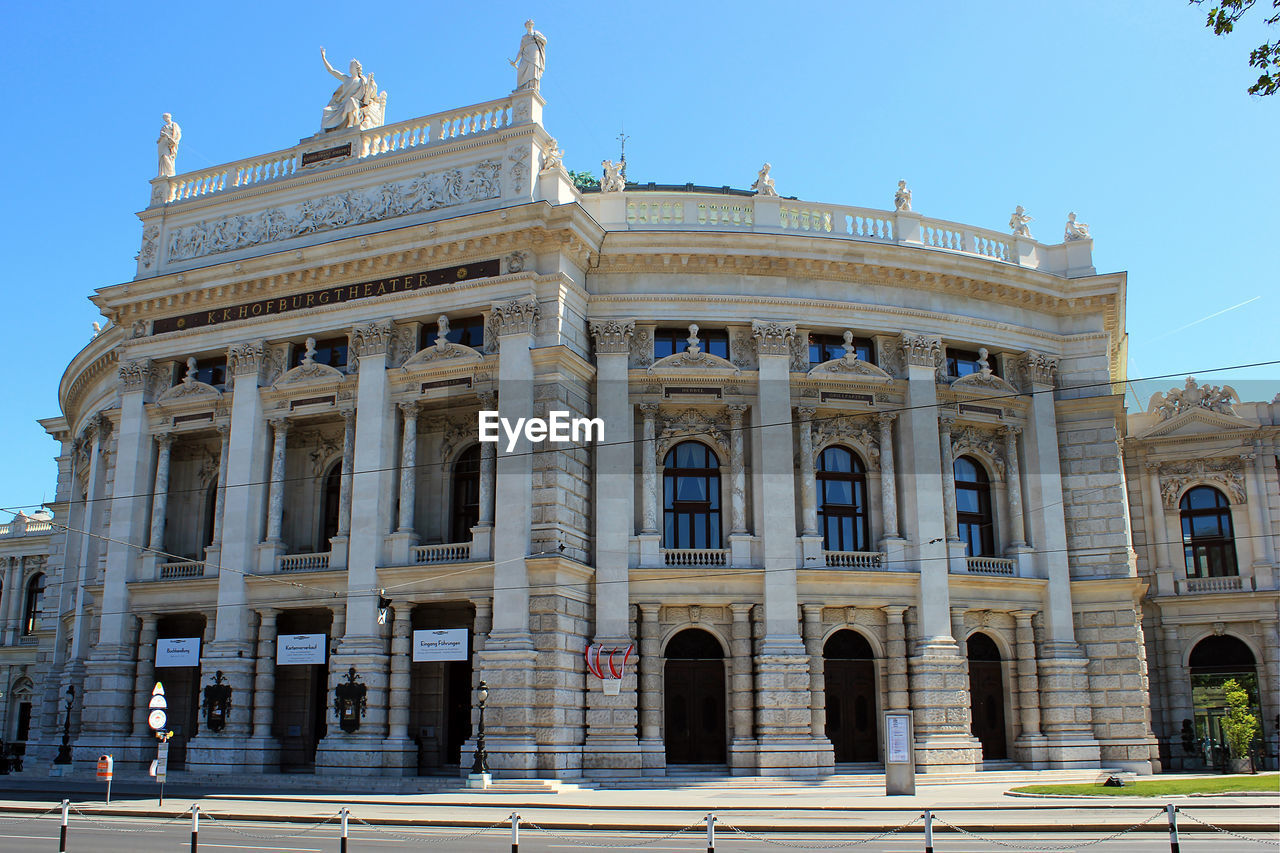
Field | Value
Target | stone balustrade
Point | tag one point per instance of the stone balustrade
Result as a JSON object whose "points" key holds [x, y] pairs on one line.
{"points": [[1194, 586], [453, 552], [303, 562], [696, 557], [182, 569], [991, 566], [854, 559], [25, 525]]}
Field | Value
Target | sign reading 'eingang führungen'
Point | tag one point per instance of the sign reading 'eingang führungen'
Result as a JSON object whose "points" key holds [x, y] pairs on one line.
{"points": [[329, 296]]}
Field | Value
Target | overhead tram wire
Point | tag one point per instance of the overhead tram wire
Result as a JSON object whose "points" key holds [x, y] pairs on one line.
{"points": [[728, 429]]}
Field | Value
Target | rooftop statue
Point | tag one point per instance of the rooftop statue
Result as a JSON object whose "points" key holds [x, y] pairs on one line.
{"points": [[532, 59], [356, 102], [1076, 230], [170, 136], [552, 155], [612, 181], [1192, 395], [764, 183], [1018, 223], [902, 198]]}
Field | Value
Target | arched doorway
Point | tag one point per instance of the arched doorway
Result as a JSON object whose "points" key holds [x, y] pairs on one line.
{"points": [[852, 706], [695, 727], [986, 696], [1215, 661]]}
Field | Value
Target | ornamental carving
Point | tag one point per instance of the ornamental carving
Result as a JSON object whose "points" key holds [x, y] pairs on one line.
{"points": [[339, 210], [1223, 472], [244, 359], [456, 434], [642, 348], [150, 245], [404, 344], [1190, 396], [515, 262], [982, 443], [849, 365], [860, 434], [189, 386], [309, 370], [983, 380], [1036, 368], [742, 350], [613, 336], [141, 376], [515, 317], [519, 171], [693, 356], [691, 424], [920, 350], [443, 349], [773, 338], [371, 338], [800, 353]]}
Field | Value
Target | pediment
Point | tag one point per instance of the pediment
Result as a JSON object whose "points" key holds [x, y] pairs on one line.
{"points": [[1197, 421], [694, 361], [189, 388], [851, 368], [983, 382], [309, 372], [446, 351]]}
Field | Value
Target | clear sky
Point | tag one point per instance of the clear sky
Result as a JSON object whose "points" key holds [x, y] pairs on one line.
{"points": [[1132, 114]]}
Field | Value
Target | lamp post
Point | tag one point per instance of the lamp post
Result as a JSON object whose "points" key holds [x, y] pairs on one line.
{"points": [[481, 764], [64, 751]]}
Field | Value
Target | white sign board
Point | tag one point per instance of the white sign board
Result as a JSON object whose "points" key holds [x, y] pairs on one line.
{"points": [[178, 651], [440, 644], [300, 648], [898, 735]]}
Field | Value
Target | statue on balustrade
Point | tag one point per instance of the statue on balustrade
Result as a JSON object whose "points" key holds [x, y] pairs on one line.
{"points": [[1018, 223], [552, 155], [764, 183], [356, 102], [532, 59], [170, 136], [613, 181], [1075, 230], [902, 198]]}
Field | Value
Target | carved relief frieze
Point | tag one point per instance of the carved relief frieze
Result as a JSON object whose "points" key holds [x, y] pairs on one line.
{"points": [[1226, 473], [519, 169], [150, 245], [456, 433], [404, 344], [515, 262]]}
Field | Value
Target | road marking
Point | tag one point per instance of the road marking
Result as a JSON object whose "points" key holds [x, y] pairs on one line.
{"points": [[251, 847], [39, 837]]}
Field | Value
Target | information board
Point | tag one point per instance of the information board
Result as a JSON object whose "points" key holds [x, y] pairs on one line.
{"points": [[178, 651], [898, 738], [440, 644], [300, 649]]}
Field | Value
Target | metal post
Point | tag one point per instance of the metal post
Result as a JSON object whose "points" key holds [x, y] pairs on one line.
{"points": [[1173, 827], [711, 832], [108, 790], [195, 829], [515, 833], [928, 831], [62, 834], [342, 847]]}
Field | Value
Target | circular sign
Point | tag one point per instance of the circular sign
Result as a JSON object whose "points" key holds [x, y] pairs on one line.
{"points": [[158, 702], [156, 719]]}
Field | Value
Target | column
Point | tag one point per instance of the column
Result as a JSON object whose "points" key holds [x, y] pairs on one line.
{"points": [[220, 497], [398, 709], [482, 533], [1255, 491], [11, 595], [1028, 679], [948, 477], [737, 473], [1157, 531], [160, 494], [741, 690], [649, 468], [408, 466], [888, 478], [348, 466], [264, 676], [145, 680], [896, 653], [817, 670], [653, 752], [275, 501], [1013, 488], [808, 480]]}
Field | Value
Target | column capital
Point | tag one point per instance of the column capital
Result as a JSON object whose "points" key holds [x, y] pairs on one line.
{"points": [[773, 337], [224, 430], [488, 399], [165, 440], [895, 611], [945, 422], [650, 410], [348, 416], [812, 612], [613, 336], [1010, 430], [246, 358], [649, 610], [1023, 616], [736, 411], [279, 424], [920, 350], [1037, 368], [372, 338], [515, 316], [886, 419], [409, 408], [142, 375], [806, 413], [148, 621], [741, 610], [265, 613]]}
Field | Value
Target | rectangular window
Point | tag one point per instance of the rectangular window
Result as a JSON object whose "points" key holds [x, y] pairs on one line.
{"points": [[212, 371], [468, 332], [829, 347], [671, 341], [331, 351], [963, 362]]}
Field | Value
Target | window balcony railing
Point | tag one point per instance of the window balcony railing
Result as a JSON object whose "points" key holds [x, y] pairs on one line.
{"points": [[452, 552], [303, 562], [1192, 586], [182, 569], [991, 566], [695, 556], [854, 559]]}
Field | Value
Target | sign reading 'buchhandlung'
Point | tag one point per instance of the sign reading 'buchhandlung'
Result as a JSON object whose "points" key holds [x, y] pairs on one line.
{"points": [[300, 649], [178, 651], [440, 644]]}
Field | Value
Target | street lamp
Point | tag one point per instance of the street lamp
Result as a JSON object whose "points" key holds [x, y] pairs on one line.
{"points": [[481, 764], [64, 751]]}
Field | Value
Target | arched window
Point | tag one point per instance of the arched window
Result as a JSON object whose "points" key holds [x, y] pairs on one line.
{"points": [[466, 494], [1208, 541], [842, 501], [35, 605], [330, 506], [691, 497], [973, 508]]}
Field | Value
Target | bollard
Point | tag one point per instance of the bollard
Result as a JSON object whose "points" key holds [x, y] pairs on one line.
{"points": [[195, 828], [1173, 827], [62, 834], [928, 831], [711, 832], [515, 833], [342, 846]]}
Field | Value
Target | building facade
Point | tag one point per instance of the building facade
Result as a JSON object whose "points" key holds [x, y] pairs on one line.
{"points": [[854, 461]]}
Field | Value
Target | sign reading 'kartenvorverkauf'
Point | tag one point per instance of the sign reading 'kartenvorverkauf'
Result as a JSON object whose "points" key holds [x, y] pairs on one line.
{"points": [[440, 644], [300, 649]]}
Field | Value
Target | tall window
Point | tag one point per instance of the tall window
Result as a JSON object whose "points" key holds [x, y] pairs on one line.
{"points": [[827, 347], [330, 506], [691, 497], [466, 494], [671, 341], [469, 332], [1208, 541], [973, 508], [842, 496], [210, 511], [35, 605]]}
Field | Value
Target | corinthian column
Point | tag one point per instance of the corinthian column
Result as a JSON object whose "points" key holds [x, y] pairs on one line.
{"points": [[1013, 487], [160, 494], [275, 499], [808, 482], [737, 472], [888, 478], [348, 462], [948, 478], [649, 467], [488, 402], [220, 498], [408, 466]]}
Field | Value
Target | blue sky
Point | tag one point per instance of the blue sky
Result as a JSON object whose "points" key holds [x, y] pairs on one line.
{"points": [[1131, 114]]}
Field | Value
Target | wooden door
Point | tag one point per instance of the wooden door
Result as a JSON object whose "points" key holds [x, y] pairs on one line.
{"points": [[986, 696], [852, 710], [299, 714], [695, 726]]}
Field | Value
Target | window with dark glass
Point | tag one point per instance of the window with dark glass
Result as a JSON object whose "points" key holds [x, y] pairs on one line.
{"points": [[466, 494], [973, 508], [1208, 540], [691, 497], [330, 506], [210, 371], [961, 362], [34, 605], [332, 351], [671, 341], [842, 501], [468, 331], [827, 347]]}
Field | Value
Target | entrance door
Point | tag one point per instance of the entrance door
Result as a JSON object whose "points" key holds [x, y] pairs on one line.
{"points": [[440, 693], [299, 715], [695, 728], [986, 697], [182, 692], [851, 691]]}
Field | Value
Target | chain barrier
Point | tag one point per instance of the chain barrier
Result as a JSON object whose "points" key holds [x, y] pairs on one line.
{"points": [[826, 845], [115, 825], [57, 808], [424, 839], [223, 822], [1272, 842], [624, 845], [1049, 848]]}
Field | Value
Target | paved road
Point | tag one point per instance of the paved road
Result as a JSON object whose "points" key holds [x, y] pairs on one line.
{"points": [[127, 835]]}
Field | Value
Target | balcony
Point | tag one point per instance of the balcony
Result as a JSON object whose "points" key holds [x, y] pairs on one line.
{"points": [[862, 560], [991, 566], [182, 569], [695, 557], [1196, 586], [303, 562], [452, 552]]}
